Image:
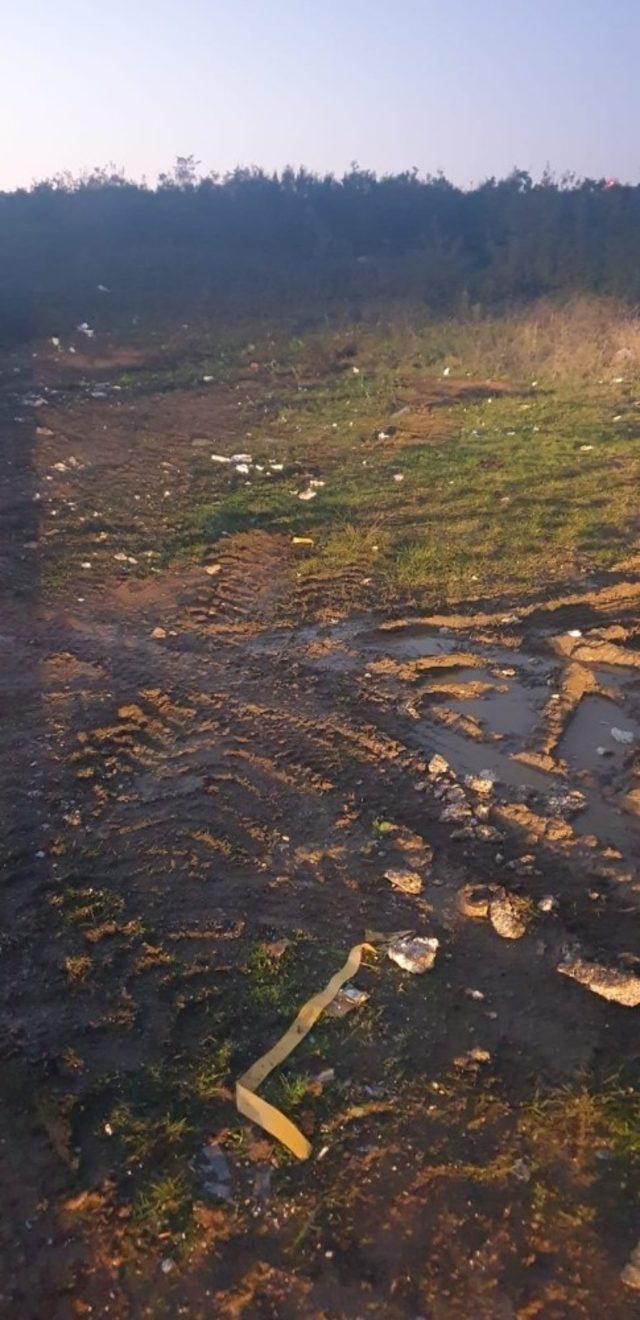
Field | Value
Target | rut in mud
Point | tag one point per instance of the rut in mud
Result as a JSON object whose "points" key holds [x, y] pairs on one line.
{"points": [[202, 797]]}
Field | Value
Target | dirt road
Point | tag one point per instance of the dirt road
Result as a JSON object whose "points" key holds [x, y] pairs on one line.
{"points": [[207, 773]]}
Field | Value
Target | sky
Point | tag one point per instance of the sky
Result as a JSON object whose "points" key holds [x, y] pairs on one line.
{"points": [[469, 87]]}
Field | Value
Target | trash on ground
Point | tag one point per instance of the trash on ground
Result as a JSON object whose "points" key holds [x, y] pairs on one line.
{"points": [[473, 1060], [348, 998], [631, 1272], [415, 954], [213, 569], [217, 1174], [308, 494], [613, 983], [302, 540], [252, 1106], [622, 735], [407, 882], [220, 458]]}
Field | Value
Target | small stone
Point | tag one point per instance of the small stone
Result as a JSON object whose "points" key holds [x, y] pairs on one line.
{"points": [[613, 983], [630, 1275], [508, 915], [159, 633], [213, 569], [347, 998]]}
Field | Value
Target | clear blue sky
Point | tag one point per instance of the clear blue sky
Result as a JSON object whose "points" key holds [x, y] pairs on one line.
{"points": [[471, 87]]}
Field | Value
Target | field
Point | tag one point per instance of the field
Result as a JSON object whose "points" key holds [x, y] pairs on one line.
{"points": [[255, 578]]}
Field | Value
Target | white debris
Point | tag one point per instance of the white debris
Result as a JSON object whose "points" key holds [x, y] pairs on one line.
{"points": [[415, 954], [548, 903], [241, 458], [347, 998], [242, 468], [574, 632], [220, 458], [85, 329], [307, 494], [55, 341], [206, 380], [213, 569], [447, 371], [398, 476], [622, 735], [586, 449], [102, 288], [630, 1275]]}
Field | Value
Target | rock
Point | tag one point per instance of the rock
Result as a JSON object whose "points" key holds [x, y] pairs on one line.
{"points": [[619, 985], [414, 953], [509, 914], [213, 569], [483, 784], [405, 881], [631, 1272], [159, 633], [438, 766]]}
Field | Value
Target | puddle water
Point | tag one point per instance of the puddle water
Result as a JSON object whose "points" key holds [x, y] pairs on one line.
{"points": [[514, 714], [590, 730]]}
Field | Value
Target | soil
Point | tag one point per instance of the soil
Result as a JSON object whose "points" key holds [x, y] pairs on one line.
{"points": [[242, 780]]}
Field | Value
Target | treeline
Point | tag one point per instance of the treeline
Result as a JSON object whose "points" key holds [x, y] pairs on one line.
{"points": [[252, 241]]}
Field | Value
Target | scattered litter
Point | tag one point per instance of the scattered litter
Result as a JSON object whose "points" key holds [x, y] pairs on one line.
{"points": [[614, 983], [508, 914], [574, 632], [44, 431], [415, 954], [346, 999], [302, 540], [206, 380], [241, 458], [447, 371], [86, 564], [213, 569], [242, 468], [252, 1106], [217, 1174], [86, 330], [307, 494], [585, 449], [55, 341], [167, 1265], [472, 1061], [631, 1272], [220, 458], [548, 903], [622, 735], [474, 994], [328, 1075], [315, 483], [407, 882], [398, 476]]}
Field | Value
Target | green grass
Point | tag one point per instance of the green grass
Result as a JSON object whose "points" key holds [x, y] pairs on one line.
{"points": [[499, 496]]}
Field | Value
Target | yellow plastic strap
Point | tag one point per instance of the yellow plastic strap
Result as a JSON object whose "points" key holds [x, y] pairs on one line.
{"points": [[252, 1105]]}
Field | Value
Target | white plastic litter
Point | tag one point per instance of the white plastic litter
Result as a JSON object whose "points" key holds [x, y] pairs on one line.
{"points": [[415, 953]]}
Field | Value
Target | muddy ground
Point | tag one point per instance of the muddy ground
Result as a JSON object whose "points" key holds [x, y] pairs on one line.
{"points": [[208, 767]]}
